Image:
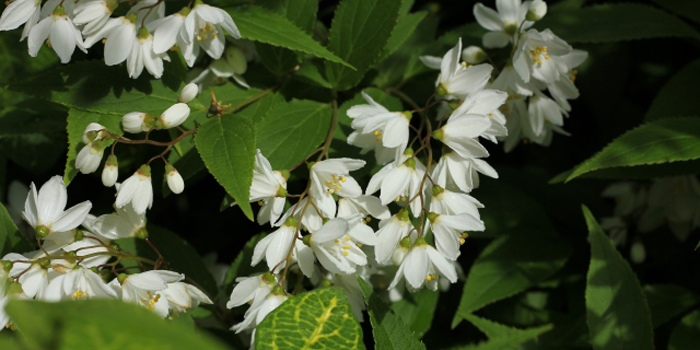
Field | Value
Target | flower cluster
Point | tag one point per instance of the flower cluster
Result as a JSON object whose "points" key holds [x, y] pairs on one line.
{"points": [[673, 201], [76, 258], [142, 37]]}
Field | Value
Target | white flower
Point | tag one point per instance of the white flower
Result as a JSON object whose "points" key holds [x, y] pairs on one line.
{"points": [[563, 89], [363, 205], [136, 122], [45, 211], [270, 187], [456, 172], [173, 116], [120, 35], [504, 24], [188, 93], [142, 55], [174, 179], [311, 221], [275, 246], [78, 283], [538, 55], [126, 222], [485, 105], [260, 308], [460, 134], [87, 246], [390, 232], [110, 171], [89, 158], [536, 10], [452, 203], [94, 14], [251, 289], [166, 32], [146, 288], [674, 201], [399, 183], [448, 231], [510, 81], [422, 265], [203, 29], [61, 33], [352, 288], [182, 296], [336, 244], [137, 189], [456, 79], [387, 131], [541, 110], [332, 176], [19, 12]]}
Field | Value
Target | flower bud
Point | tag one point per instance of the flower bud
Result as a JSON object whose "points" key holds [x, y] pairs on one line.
{"points": [[473, 55], [536, 10], [174, 179], [91, 132], [236, 58], [637, 252], [88, 159], [173, 116], [188, 93], [110, 171], [135, 122]]}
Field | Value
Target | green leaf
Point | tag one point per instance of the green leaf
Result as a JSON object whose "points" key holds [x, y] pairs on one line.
{"points": [[241, 265], [259, 24], [617, 313], [675, 99], [100, 324], [417, 309], [319, 319], [613, 23], [227, 147], [511, 341], [312, 72], [405, 26], [663, 141], [686, 335], [687, 8], [639, 172], [667, 301], [389, 330], [11, 240], [292, 130], [359, 34]]}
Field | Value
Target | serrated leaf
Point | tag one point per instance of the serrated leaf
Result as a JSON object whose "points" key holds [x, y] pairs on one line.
{"points": [[11, 240], [259, 24], [359, 34], [406, 24], [663, 141], [675, 99], [639, 172], [227, 147], [615, 22], [292, 130], [617, 313], [417, 310], [686, 335], [100, 324], [388, 329], [311, 72], [318, 319], [241, 265], [526, 252], [667, 301]]}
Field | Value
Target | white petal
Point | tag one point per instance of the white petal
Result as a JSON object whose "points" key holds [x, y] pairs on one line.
{"points": [[38, 35], [417, 267], [30, 206], [488, 18], [331, 230], [72, 217], [51, 200]]}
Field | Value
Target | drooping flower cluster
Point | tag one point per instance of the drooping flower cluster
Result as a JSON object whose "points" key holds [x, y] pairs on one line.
{"points": [[75, 259], [142, 37], [670, 201]]}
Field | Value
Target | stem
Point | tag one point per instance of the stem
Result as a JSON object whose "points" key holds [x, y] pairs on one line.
{"points": [[331, 131]]}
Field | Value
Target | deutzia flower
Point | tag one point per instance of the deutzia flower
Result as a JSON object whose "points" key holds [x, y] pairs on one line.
{"points": [[448, 231], [674, 201], [485, 105], [269, 187], [455, 78], [146, 288], [173, 116], [536, 10], [78, 283], [399, 183], [451, 203], [19, 12], [94, 14], [110, 172], [363, 205], [142, 55], [332, 176], [166, 31], [311, 221], [390, 232], [260, 308], [90, 156], [188, 93], [120, 35], [543, 110], [126, 222], [175, 182], [275, 246], [473, 55], [422, 266], [336, 244], [456, 172], [251, 289], [379, 129], [460, 134], [61, 33], [182, 296], [504, 24], [45, 211], [137, 189], [203, 29], [538, 55], [564, 89]]}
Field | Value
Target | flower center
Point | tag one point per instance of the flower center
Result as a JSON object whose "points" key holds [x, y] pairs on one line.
{"points": [[538, 54], [205, 32], [335, 183], [152, 300], [378, 134], [79, 294]]}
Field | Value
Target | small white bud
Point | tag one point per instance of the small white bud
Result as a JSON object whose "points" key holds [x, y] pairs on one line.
{"points": [[637, 252], [173, 116], [536, 10], [89, 128], [236, 58], [135, 122], [88, 159], [473, 55], [174, 179], [110, 171], [188, 93]]}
